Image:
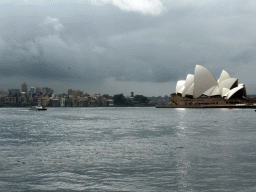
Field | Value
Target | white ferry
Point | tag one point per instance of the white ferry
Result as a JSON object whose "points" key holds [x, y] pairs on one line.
{"points": [[38, 108]]}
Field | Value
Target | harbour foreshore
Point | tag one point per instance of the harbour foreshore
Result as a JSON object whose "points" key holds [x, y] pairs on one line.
{"points": [[207, 106]]}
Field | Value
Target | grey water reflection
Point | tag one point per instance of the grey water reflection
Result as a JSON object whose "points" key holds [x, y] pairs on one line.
{"points": [[127, 149], [183, 162]]}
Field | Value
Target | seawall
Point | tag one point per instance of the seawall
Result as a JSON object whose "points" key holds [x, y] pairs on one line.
{"points": [[207, 106]]}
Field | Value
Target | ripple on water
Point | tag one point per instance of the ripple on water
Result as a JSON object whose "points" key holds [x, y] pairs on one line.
{"points": [[127, 149]]}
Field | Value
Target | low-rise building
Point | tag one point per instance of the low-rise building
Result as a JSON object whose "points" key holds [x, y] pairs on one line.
{"points": [[83, 103], [62, 102], [13, 100], [7, 100], [55, 102], [107, 102], [43, 101]]}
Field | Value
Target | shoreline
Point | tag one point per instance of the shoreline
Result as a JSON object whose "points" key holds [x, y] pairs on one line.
{"points": [[73, 107], [208, 106]]}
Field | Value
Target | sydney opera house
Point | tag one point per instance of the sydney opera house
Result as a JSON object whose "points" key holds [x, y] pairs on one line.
{"points": [[202, 89]]}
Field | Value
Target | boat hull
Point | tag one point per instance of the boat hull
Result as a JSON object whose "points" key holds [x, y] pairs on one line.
{"points": [[38, 108]]}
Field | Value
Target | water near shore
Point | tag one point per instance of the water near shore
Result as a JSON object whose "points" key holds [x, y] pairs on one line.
{"points": [[127, 149]]}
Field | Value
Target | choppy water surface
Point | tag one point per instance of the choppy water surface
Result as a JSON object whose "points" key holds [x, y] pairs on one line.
{"points": [[127, 149]]}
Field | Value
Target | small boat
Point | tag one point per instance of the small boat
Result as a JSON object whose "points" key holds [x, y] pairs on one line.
{"points": [[38, 108], [230, 108]]}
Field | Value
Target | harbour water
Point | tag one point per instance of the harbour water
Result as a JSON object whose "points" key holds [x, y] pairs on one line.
{"points": [[127, 149]]}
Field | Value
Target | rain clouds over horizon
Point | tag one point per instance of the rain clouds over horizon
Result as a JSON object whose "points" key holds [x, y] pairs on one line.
{"points": [[118, 46]]}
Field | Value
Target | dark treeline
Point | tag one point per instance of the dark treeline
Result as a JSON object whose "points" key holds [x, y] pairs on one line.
{"points": [[138, 100]]}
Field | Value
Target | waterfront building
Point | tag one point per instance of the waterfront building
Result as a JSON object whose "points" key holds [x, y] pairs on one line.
{"points": [[93, 103], [7, 100], [74, 102], [68, 102], [83, 103], [19, 99], [29, 95], [62, 102], [43, 100], [13, 100], [110, 102], [24, 100], [55, 102], [23, 94]]}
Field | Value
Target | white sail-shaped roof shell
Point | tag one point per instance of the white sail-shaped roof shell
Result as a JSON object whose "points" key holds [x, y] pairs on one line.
{"points": [[233, 91], [228, 83], [190, 91], [203, 81], [188, 83], [225, 92], [215, 91], [179, 85], [223, 76], [181, 90], [209, 91]]}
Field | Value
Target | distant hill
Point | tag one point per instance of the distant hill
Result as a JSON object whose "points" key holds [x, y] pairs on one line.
{"points": [[251, 96]]}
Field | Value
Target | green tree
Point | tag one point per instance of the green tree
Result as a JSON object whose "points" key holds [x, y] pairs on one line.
{"points": [[119, 99], [141, 99]]}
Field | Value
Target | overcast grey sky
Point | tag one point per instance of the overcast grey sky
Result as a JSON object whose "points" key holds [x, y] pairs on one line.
{"points": [[119, 46]]}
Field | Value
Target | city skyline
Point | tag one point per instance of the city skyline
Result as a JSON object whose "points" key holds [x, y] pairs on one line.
{"points": [[49, 91], [107, 46], [73, 98]]}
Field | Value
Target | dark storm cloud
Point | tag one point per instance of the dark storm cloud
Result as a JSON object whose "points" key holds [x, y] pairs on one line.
{"points": [[38, 56], [37, 69], [87, 42]]}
